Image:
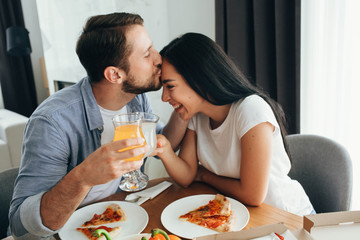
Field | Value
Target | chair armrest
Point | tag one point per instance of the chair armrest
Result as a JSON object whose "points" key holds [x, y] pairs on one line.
{"points": [[5, 160], [12, 127]]}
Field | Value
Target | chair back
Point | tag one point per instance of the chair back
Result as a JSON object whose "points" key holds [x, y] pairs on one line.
{"points": [[7, 180], [324, 168]]}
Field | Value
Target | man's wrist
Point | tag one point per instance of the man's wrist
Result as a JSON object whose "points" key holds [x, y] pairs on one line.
{"points": [[76, 178]]}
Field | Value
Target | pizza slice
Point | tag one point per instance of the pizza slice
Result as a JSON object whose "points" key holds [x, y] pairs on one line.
{"points": [[113, 232], [215, 215], [113, 213]]}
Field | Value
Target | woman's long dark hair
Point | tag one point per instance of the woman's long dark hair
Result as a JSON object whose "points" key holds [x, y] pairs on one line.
{"points": [[213, 75]]}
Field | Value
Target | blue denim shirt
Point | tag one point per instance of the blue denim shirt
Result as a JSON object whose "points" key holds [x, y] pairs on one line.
{"points": [[60, 134]]}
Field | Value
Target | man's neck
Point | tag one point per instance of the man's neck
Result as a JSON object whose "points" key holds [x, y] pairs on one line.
{"points": [[110, 96]]}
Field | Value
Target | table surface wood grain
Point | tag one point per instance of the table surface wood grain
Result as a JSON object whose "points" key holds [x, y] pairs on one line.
{"points": [[261, 215]]}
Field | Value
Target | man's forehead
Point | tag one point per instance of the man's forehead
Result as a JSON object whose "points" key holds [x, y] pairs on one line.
{"points": [[138, 38]]}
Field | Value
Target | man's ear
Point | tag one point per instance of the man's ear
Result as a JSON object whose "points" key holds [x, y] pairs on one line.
{"points": [[114, 74]]}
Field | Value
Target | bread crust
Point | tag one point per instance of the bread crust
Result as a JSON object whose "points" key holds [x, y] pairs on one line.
{"points": [[215, 215]]}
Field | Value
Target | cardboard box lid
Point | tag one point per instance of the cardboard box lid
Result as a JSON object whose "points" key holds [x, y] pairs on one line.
{"points": [[247, 233], [327, 219]]}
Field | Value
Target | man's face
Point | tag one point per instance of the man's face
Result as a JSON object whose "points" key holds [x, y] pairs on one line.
{"points": [[144, 61]]}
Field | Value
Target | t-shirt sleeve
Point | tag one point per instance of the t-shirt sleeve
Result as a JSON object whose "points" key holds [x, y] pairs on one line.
{"points": [[252, 111]]}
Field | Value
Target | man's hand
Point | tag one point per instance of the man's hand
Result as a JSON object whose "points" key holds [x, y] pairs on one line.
{"points": [[106, 163], [102, 166]]}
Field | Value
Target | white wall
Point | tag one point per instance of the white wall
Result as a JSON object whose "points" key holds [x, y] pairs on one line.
{"points": [[55, 25], [61, 23], [32, 25]]}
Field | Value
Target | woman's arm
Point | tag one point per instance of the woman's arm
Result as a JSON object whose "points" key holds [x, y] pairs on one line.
{"points": [[256, 151], [181, 168], [175, 130]]}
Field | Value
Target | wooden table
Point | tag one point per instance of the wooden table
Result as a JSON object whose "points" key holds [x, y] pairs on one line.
{"points": [[262, 215]]}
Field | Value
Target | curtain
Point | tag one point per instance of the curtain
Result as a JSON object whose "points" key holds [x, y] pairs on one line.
{"points": [[263, 38], [330, 83], [16, 75]]}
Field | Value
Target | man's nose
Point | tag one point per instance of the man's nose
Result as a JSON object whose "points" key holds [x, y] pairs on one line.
{"points": [[158, 59]]}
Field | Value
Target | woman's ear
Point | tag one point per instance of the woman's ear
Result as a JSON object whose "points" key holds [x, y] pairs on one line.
{"points": [[114, 74]]}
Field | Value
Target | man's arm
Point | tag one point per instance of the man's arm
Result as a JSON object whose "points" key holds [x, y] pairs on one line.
{"points": [[175, 130], [45, 194], [102, 166]]}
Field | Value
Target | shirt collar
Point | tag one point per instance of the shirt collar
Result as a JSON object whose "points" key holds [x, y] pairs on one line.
{"points": [[92, 111]]}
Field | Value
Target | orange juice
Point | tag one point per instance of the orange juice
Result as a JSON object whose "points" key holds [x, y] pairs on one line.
{"points": [[129, 131]]}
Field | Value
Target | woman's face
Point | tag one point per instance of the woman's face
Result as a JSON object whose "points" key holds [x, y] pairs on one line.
{"points": [[178, 93]]}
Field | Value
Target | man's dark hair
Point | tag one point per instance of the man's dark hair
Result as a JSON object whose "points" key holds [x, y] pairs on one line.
{"points": [[103, 43]]}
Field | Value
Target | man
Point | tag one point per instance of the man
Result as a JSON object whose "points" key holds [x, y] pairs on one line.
{"points": [[68, 157]]}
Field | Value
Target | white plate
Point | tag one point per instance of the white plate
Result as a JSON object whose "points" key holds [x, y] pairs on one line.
{"points": [[170, 216], [137, 219]]}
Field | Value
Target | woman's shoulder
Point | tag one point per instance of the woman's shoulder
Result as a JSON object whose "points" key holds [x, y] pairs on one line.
{"points": [[253, 108], [252, 103]]}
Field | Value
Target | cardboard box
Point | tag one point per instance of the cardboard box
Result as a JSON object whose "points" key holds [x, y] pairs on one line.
{"points": [[325, 226], [248, 233], [336, 225]]}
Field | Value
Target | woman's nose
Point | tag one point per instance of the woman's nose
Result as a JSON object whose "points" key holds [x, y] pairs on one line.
{"points": [[165, 95]]}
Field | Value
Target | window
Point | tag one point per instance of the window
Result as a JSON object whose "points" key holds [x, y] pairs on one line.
{"points": [[330, 50]]}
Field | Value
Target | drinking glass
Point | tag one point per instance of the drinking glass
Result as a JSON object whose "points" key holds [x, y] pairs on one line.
{"points": [[148, 126], [131, 125]]}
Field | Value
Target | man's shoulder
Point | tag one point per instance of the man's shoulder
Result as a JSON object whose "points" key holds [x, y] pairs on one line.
{"points": [[61, 101]]}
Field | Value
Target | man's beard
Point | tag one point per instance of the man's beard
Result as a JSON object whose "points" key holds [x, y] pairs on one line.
{"points": [[129, 85]]}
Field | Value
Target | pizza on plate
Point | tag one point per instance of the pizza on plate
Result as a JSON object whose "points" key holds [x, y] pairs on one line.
{"points": [[88, 231], [113, 213], [215, 215]]}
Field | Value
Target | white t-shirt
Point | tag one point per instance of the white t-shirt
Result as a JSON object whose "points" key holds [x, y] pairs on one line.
{"points": [[219, 151], [104, 190]]}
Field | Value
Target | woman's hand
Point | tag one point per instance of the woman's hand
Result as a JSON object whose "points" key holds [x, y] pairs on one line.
{"points": [[201, 172], [163, 146]]}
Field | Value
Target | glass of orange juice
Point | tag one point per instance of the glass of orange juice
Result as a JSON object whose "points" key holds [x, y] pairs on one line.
{"points": [[129, 126]]}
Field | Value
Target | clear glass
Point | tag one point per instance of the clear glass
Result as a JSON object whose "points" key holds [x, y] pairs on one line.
{"points": [[129, 126], [139, 124]]}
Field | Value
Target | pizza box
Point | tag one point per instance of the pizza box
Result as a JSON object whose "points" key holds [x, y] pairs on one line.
{"points": [[335, 225], [252, 233], [329, 226]]}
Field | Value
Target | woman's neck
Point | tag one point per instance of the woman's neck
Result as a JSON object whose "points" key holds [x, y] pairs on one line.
{"points": [[217, 114]]}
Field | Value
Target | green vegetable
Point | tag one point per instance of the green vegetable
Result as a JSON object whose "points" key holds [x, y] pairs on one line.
{"points": [[98, 232], [159, 231], [155, 232]]}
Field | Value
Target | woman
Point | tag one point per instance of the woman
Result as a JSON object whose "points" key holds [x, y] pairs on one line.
{"points": [[235, 137]]}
